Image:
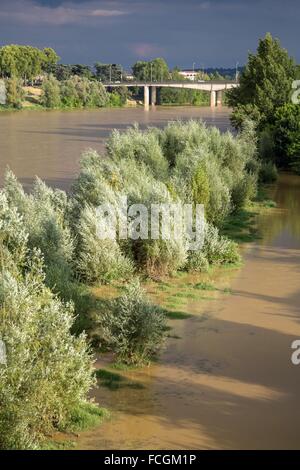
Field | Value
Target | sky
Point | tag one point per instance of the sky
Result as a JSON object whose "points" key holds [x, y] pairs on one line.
{"points": [[209, 33]]}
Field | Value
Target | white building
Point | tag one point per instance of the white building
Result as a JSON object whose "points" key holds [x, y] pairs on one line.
{"points": [[189, 74]]}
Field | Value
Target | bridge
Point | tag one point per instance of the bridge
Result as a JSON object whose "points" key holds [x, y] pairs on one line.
{"points": [[214, 87]]}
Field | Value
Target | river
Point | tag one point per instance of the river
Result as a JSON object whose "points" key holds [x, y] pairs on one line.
{"points": [[225, 379], [49, 144]]}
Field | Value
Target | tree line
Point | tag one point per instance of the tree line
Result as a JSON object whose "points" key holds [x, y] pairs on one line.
{"points": [[26, 62]]}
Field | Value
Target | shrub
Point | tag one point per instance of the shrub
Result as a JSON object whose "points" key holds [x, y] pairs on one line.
{"points": [[268, 172], [14, 93], [48, 371], [200, 187], [244, 191], [266, 144], [218, 249], [133, 327], [69, 95], [197, 262], [98, 260], [51, 92], [140, 146], [177, 137]]}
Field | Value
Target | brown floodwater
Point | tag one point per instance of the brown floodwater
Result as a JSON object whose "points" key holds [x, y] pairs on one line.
{"points": [[225, 379], [49, 144]]}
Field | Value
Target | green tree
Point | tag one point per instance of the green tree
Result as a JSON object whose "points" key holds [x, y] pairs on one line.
{"points": [[108, 72], [287, 136], [265, 83], [50, 60], [155, 70]]}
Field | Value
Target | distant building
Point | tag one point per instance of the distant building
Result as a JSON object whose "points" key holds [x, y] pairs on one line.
{"points": [[190, 74], [128, 76]]}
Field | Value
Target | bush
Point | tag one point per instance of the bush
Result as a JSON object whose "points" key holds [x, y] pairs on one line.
{"points": [[69, 95], [140, 146], [14, 93], [266, 145], [244, 191], [132, 327], [218, 249], [98, 260], [200, 187], [49, 371], [51, 92], [197, 262], [268, 172]]}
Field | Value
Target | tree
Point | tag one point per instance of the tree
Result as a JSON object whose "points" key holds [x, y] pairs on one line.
{"points": [[25, 62], [50, 59], [82, 71], [108, 72], [286, 133], [265, 82], [155, 70]]}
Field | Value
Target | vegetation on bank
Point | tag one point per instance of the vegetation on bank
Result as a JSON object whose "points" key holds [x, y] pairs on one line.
{"points": [[76, 92]]}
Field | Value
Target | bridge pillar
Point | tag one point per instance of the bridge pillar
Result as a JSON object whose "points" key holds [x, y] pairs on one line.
{"points": [[219, 98], [146, 96], [153, 95], [213, 98]]}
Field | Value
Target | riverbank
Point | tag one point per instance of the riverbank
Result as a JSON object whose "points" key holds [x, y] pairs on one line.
{"points": [[225, 379]]}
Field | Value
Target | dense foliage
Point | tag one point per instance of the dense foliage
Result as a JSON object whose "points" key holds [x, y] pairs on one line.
{"points": [[154, 70], [48, 370], [25, 62], [74, 92], [286, 134], [265, 94], [265, 83]]}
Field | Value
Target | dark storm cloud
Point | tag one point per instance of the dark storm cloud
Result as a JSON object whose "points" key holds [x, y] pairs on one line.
{"points": [[207, 32]]}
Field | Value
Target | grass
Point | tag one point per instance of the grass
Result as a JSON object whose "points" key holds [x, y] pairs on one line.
{"points": [[175, 300], [57, 445], [186, 295], [205, 286], [115, 381], [86, 416], [177, 314]]}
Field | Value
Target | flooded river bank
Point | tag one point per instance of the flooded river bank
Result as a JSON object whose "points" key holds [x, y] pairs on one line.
{"points": [[225, 379]]}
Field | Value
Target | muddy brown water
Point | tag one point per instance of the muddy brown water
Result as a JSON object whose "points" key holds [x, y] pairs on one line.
{"points": [[226, 380], [49, 144]]}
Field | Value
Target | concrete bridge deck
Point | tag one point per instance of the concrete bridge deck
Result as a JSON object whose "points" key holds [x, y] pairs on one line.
{"points": [[214, 87]]}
